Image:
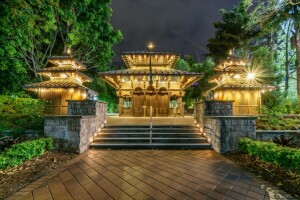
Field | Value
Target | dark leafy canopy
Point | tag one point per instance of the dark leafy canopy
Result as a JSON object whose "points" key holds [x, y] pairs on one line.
{"points": [[232, 32], [84, 27], [32, 30], [197, 91], [27, 33]]}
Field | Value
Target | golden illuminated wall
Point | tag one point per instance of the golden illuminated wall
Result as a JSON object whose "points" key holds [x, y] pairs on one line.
{"points": [[57, 99], [246, 102]]}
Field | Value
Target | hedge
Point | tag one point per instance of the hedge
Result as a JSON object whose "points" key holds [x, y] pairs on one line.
{"points": [[287, 157], [18, 153]]}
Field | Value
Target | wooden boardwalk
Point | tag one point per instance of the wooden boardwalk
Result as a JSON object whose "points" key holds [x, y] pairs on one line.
{"points": [[151, 174]]}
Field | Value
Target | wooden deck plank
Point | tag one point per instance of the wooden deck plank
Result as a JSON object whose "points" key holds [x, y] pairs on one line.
{"points": [[72, 185], [42, 193], [58, 190]]}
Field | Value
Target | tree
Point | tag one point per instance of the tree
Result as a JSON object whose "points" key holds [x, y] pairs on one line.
{"points": [[33, 30], [181, 64], [84, 27], [276, 14], [197, 91], [232, 32], [27, 36]]}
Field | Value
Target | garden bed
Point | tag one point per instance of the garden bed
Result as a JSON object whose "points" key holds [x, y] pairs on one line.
{"points": [[15, 178], [275, 163], [283, 179]]}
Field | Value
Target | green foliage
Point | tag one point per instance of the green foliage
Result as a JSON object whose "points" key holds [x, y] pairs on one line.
{"points": [[85, 27], [287, 157], [182, 65], [264, 64], [32, 30], [27, 34], [232, 32], [21, 152], [106, 93], [16, 105], [21, 113], [197, 92], [277, 122]]}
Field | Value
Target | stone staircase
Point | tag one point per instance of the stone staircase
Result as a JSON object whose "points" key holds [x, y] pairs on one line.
{"points": [[138, 137]]}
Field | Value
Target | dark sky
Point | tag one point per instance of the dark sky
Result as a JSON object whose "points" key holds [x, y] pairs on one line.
{"points": [[181, 26]]}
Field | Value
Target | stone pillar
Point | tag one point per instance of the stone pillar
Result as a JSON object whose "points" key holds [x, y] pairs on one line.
{"points": [[75, 131], [88, 107], [223, 130]]}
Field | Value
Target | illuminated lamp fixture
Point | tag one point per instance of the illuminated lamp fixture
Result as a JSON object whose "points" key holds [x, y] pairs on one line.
{"points": [[150, 46], [263, 91], [236, 76], [250, 76], [69, 50]]}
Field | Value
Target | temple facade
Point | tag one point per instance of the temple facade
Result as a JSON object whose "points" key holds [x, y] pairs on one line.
{"points": [[236, 81], [150, 83], [65, 83]]}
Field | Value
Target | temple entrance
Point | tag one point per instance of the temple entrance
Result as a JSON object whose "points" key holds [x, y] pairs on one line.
{"points": [[162, 104], [150, 101], [138, 103]]}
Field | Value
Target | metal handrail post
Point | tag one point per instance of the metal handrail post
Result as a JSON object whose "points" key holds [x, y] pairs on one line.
{"points": [[150, 124]]}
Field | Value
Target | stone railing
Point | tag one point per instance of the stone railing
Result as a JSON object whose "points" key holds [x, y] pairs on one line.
{"points": [[221, 129], [75, 131]]}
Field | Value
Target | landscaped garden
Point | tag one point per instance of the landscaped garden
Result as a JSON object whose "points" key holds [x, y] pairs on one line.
{"points": [[58, 49]]}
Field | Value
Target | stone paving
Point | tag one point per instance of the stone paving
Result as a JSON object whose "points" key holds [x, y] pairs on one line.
{"points": [[151, 174]]}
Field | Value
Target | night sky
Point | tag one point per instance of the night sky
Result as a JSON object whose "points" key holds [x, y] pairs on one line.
{"points": [[181, 26]]}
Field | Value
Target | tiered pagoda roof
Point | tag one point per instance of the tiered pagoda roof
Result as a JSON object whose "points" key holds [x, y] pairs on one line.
{"points": [[233, 73], [65, 73], [137, 63]]}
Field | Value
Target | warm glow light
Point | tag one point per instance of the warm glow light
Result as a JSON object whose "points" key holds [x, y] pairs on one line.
{"points": [[250, 76], [63, 75], [68, 51], [237, 76], [263, 91], [150, 46]]}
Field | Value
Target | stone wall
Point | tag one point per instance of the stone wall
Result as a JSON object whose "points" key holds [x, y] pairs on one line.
{"points": [[221, 129], [218, 108], [75, 131], [224, 132], [88, 107], [268, 135]]}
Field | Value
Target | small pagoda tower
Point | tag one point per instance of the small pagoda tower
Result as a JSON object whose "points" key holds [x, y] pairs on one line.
{"points": [[66, 83], [236, 82]]}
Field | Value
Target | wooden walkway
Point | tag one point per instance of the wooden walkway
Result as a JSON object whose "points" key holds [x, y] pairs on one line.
{"points": [[151, 174]]}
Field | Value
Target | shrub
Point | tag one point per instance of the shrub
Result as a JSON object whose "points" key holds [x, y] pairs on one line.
{"points": [[20, 152], [21, 113], [287, 157]]}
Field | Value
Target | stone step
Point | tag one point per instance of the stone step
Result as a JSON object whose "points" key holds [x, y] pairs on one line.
{"points": [[148, 125], [128, 130], [151, 146], [147, 139], [147, 134]]}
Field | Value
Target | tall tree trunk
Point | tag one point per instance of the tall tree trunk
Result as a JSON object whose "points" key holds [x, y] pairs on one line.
{"points": [[297, 64], [287, 61]]}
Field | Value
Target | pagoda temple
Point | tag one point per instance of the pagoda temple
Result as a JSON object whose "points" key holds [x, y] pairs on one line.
{"points": [[66, 83], [150, 80], [236, 82]]}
